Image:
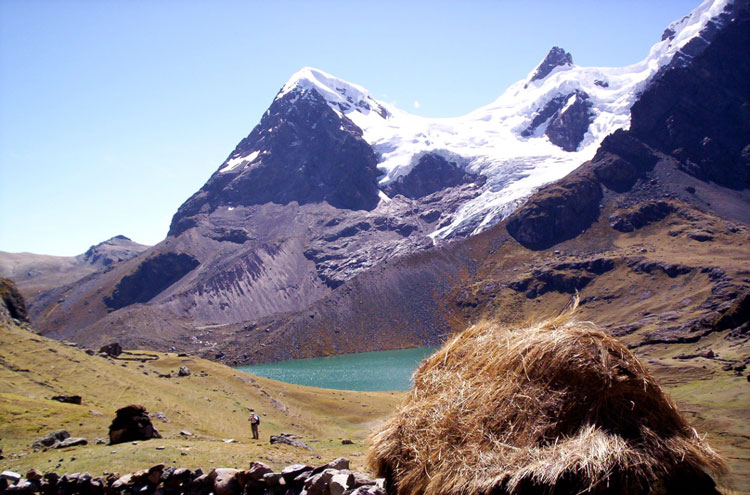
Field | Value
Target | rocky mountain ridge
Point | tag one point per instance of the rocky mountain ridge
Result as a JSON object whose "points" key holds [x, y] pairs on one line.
{"points": [[319, 193], [637, 219], [36, 272]]}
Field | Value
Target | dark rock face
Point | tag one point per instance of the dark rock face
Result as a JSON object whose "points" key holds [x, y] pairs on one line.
{"points": [[567, 128], [131, 423], [736, 315], [564, 277], [12, 303], [548, 111], [555, 58], [557, 213], [300, 151], [150, 278], [621, 159], [698, 108], [431, 174], [635, 218], [567, 118]]}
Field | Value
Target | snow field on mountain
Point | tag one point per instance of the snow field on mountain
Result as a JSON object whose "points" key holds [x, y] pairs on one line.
{"points": [[489, 140]]}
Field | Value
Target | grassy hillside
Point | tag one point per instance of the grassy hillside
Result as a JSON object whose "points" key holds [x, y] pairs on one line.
{"points": [[212, 403]]}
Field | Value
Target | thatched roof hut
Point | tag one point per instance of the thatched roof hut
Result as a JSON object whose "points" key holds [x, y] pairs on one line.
{"points": [[556, 408]]}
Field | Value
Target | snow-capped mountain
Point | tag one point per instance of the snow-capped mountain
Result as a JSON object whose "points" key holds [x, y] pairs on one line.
{"points": [[332, 183], [537, 131]]}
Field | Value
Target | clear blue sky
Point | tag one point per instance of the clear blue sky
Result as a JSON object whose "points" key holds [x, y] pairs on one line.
{"points": [[112, 113]]}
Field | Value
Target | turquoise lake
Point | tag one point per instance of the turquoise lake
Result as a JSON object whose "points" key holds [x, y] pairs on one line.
{"points": [[364, 371]]}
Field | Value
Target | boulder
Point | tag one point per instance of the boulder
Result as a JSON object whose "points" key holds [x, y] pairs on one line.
{"points": [[361, 480], [153, 475], [341, 482], [184, 371], [69, 399], [33, 474], [159, 415], [368, 490], [131, 423], [122, 482], [224, 481], [200, 485], [11, 476], [258, 470], [25, 486], [51, 440], [71, 442], [337, 464], [273, 479], [289, 439], [113, 350], [289, 473], [319, 484]]}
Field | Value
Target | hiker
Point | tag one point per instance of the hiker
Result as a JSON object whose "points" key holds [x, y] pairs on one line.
{"points": [[254, 422]]}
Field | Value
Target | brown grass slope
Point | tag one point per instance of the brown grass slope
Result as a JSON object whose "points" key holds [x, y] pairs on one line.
{"points": [[559, 407], [212, 403]]}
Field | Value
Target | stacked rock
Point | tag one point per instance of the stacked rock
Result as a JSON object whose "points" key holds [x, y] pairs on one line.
{"points": [[333, 478]]}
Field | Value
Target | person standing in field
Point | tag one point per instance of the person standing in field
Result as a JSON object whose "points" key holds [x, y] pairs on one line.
{"points": [[254, 423]]}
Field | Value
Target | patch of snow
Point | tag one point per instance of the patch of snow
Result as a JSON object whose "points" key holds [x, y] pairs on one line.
{"points": [[235, 162]]}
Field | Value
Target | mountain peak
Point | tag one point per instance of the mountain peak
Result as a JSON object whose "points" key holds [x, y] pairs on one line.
{"points": [[557, 57], [341, 95]]}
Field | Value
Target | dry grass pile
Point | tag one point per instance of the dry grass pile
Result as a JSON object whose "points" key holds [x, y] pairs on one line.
{"points": [[556, 408]]}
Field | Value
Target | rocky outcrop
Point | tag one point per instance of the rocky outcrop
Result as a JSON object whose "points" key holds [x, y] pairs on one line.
{"points": [[51, 439], [556, 57], [736, 315], [113, 350], [12, 304], [694, 111], [151, 277], [300, 151], [68, 399], [564, 278], [630, 219], [568, 126], [621, 160], [334, 478], [289, 439], [132, 423], [432, 173], [564, 119], [557, 213], [58, 440], [697, 109]]}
